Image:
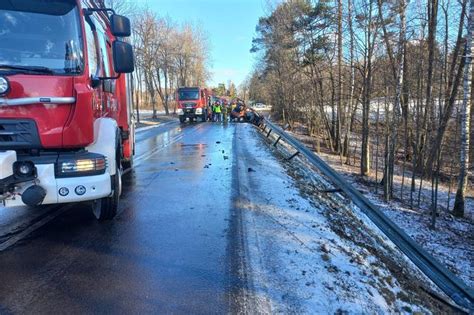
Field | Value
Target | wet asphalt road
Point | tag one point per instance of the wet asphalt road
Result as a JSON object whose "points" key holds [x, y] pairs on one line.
{"points": [[170, 249]]}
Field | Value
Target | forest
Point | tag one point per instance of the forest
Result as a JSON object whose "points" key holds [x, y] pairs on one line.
{"points": [[384, 85]]}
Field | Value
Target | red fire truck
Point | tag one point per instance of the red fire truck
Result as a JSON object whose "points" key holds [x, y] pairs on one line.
{"points": [[193, 103], [66, 130]]}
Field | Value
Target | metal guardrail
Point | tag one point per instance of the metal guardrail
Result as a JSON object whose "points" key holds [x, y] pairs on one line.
{"points": [[454, 287]]}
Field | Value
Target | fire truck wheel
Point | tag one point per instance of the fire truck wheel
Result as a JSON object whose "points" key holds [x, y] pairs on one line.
{"points": [[128, 164], [106, 208], [182, 119]]}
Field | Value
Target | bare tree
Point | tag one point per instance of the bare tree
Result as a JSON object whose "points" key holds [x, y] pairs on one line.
{"points": [[390, 162], [168, 56], [369, 44], [465, 117]]}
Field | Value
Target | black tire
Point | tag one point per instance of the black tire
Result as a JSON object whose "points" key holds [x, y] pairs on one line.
{"points": [[107, 208], [127, 164], [182, 119]]}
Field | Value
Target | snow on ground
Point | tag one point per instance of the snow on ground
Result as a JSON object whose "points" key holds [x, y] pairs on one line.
{"points": [[311, 252], [147, 122], [452, 242]]}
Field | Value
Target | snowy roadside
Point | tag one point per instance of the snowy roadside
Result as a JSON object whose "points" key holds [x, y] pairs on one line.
{"points": [[150, 123], [452, 243], [312, 252]]}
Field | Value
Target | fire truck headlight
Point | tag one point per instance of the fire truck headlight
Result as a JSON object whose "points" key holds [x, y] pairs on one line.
{"points": [[24, 169], [198, 111], [82, 167], [4, 86], [180, 111]]}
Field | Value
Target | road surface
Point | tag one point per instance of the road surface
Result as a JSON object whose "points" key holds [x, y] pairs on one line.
{"points": [[209, 223]]}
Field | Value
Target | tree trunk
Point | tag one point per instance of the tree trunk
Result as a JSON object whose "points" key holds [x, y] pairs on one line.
{"points": [[364, 159], [339, 79], [432, 25], [454, 81], [390, 162], [166, 103], [465, 119], [365, 150]]}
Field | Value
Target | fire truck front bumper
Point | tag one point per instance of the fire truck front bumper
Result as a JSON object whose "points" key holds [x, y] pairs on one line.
{"points": [[190, 112], [29, 183]]}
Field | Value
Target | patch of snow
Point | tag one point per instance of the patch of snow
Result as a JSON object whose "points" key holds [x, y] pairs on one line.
{"points": [[309, 252], [452, 242]]}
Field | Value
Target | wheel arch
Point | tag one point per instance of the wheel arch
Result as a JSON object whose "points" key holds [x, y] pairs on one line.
{"points": [[105, 141]]}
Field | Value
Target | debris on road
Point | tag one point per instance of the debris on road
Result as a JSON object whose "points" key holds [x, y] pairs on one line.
{"points": [[325, 248]]}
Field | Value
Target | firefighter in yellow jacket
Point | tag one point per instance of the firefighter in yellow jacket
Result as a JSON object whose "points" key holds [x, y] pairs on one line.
{"points": [[217, 109]]}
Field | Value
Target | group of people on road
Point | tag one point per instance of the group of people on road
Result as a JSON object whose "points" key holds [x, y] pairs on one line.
{"points": [[235, 111], [218, 111], [223, 111]]}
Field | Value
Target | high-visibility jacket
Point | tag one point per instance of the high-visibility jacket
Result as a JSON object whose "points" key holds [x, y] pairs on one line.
{"points": [[217, 109]]}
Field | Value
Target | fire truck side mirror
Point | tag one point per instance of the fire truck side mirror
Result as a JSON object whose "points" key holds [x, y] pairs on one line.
{"points": [[120, 26], [123, 57]]}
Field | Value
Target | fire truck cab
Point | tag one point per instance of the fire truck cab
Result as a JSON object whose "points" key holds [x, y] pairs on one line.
{"points": [[66, 129], [193, 103]]}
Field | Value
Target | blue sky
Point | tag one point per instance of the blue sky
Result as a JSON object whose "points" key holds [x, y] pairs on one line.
{"points": [[230, 27]]}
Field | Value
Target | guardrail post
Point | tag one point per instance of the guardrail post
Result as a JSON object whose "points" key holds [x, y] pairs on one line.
{"points": [[269, 132], [291, 157], [277, 140]]}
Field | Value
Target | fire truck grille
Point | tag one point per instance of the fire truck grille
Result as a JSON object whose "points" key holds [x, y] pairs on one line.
{"points": [[18, 134]]}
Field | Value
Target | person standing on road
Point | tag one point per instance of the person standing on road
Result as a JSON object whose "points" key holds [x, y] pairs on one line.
{"points": [[209, 109], [213, 109], [225, 112], [217, 110]]}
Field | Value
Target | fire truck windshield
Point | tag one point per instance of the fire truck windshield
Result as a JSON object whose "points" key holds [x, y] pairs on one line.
{"points": [[187, 95], [40, 39]]}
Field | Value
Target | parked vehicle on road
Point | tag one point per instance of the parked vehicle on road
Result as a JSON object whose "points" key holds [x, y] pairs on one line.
{"points": [[193, 103], [66, 129]]}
